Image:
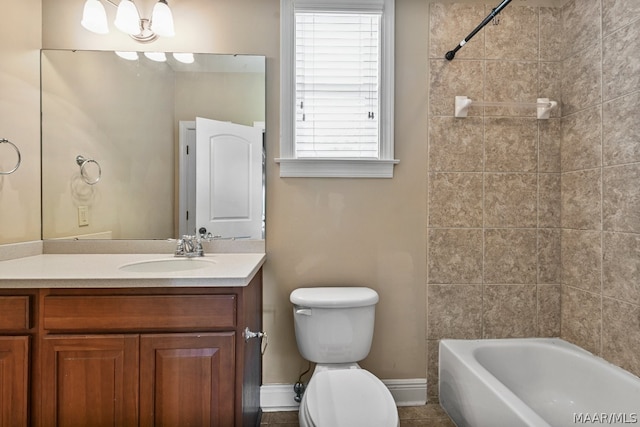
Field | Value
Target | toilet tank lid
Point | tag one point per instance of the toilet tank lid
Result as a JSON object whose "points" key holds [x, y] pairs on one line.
{"points": [[334, 297]]}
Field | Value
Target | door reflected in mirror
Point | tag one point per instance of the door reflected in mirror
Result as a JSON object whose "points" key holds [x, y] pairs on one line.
{"points": [[132, 122]]}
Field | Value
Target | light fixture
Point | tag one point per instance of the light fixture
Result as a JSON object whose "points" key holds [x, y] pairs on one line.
{"points": [[128, 20], [94, 17]]}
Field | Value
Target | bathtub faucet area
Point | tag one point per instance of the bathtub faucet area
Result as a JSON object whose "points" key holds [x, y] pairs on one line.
{"points": [[189, 246]]}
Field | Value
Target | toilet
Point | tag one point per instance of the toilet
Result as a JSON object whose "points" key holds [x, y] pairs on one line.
{"points": [[334, 329]]}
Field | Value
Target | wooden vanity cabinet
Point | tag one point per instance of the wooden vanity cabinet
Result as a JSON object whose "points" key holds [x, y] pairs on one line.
{"points": [[149, 356], [15, 337]]}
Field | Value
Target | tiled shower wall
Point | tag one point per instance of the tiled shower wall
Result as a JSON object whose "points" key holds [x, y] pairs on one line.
{"points": [[534, 225], [494, 178], [600, 164]]}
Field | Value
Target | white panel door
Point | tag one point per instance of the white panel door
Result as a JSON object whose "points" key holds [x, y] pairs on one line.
{"points": [[228, 179]]}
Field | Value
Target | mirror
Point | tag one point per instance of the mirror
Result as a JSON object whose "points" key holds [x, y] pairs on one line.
{"points": [[114, 139]]}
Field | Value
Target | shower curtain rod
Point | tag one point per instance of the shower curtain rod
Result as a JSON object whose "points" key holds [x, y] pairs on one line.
{"points": [[452, 53]]}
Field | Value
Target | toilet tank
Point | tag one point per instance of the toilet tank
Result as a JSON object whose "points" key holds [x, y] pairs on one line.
{"points": [[334, 324]]}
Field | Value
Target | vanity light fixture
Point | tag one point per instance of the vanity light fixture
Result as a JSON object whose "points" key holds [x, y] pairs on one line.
{"points": [[128, 20]]}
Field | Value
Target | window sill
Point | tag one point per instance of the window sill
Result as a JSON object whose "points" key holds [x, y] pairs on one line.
{"points": [[336, 168]]}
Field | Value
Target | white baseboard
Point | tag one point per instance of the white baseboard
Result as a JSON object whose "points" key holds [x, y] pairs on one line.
{"points": [[407, 392]]}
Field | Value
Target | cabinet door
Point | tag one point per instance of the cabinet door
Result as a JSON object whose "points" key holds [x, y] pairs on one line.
{"points": [[14, 381], [90, 381], [187, 379]]}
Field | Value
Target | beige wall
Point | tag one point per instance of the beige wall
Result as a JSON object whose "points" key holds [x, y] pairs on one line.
{"points": [[20, 42], [601, 179]]}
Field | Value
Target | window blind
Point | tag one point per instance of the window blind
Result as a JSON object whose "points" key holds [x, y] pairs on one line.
{"points": [[337, 67]]}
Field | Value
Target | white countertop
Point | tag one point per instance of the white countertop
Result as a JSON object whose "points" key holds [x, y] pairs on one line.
{"points": [[103, 271]]}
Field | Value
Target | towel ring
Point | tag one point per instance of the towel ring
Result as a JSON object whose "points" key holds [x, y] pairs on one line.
{"points": [[82, 162], [19, 157]]}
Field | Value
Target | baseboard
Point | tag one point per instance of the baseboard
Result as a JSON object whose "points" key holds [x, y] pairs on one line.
{"points": [[407, 392]]}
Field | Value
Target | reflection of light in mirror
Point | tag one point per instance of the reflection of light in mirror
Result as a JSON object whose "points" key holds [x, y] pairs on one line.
{"points": [[156, 56], [185, 58], [130, 56]]}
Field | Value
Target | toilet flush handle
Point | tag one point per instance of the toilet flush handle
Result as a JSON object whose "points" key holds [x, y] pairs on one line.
{"points": [[303, 310]]}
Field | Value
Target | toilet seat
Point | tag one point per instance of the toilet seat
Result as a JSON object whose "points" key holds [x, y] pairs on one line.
{"points": [[349, 398]]}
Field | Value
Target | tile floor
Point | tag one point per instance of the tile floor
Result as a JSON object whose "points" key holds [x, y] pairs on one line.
{"points": [[430, 415]]}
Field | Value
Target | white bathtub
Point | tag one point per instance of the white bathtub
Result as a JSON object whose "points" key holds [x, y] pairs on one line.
{"points": [[533, 382]]}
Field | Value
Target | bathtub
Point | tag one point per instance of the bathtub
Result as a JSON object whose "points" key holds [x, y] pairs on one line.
{"points": [[533, 382]]}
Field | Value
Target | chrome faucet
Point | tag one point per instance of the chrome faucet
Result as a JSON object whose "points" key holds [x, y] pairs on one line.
{"points": [[189, 246]]}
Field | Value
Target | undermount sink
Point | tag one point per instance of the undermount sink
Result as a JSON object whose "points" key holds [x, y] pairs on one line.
{"points": [[167, 265]]}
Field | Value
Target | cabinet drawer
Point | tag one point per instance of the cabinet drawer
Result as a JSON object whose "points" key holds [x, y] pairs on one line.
{"points": [[14, 312], [148, 312]]}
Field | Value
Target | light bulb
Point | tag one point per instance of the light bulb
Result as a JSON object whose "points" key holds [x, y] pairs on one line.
{"points": [[162, 20], [94, 17], [127, 18]]}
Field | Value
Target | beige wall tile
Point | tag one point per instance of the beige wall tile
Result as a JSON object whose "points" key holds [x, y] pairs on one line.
{"points": [[515, 37], [582, 80], [581, 318], [551, 40], [456, 145], [511, 145], [510, 311], [621, 198], [621, 62], [447, 26], [455, 200], [621, 334], [581, 140], [510, 256], [549, 252], [549, 138], [581, 199], [549, 202], [511, 81], [550, 84], [549, 309], [510, 200], [621, 130], [455, 256], [581, 259], [621, 266], [581, 24], [432, 370], [451, 79], [618, 13], [454, 311]]}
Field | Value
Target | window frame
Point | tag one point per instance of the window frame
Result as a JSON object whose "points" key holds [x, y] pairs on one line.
{"points": [[290, 165]]}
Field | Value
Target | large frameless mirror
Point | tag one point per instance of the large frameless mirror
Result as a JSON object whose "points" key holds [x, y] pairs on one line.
{"points": [[141, 149]]}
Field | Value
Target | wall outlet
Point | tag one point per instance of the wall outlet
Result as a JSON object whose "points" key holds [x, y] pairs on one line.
{"points": [[83, 216]]}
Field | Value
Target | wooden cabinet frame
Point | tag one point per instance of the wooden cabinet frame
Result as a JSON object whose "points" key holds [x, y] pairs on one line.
{"points": [[132, 356]]}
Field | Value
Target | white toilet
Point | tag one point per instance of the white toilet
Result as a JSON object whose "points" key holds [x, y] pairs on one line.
{"points": [[334, 329]]}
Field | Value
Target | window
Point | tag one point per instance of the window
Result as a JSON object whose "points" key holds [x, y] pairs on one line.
{"points": [[337, 88]]}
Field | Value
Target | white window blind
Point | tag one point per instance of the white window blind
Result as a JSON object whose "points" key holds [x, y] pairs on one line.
{"points": [[337, 80]]}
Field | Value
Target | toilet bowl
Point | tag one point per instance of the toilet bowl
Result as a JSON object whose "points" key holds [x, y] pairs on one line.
{"points": [[334, 329]]}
